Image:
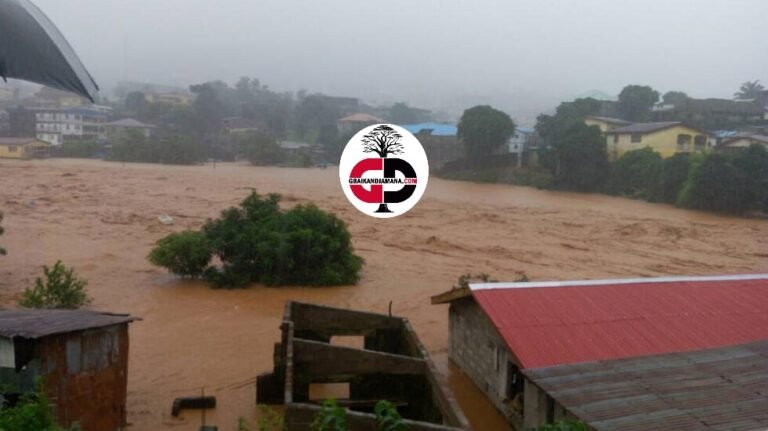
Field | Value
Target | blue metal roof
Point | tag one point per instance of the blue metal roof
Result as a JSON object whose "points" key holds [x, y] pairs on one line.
{"points": [[436, 129], [526, 130]]}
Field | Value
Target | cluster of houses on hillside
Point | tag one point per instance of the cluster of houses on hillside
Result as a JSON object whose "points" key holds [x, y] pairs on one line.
{"points": [[51, 118], [672, 137]]}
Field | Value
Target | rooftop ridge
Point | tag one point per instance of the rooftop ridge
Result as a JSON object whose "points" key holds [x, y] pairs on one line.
{"points": [[614, 281]]}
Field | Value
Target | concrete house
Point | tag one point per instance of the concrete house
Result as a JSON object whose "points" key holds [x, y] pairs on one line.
{"points": [[440, 141], [666, 138], [59, 125], [81, 357], [743, 141], [354, 122], [23, 148], [114, 128], [522, 143], [606, 123], [501, 334]]}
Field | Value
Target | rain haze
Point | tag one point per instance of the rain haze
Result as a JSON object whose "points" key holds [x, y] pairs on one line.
{"points": [[523, 55], [491, 215]]}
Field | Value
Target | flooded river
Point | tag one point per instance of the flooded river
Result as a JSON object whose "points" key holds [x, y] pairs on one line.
{"points": [[101, 218]]}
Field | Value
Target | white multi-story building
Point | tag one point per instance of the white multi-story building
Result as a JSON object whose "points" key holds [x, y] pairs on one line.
{"points": [[58, 125]]}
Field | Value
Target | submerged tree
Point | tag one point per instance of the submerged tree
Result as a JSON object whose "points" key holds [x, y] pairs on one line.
{"points": [[62, 288], [383, 140]]}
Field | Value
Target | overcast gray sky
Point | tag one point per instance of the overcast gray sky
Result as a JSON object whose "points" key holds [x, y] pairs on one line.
{"points": [[425, 51]]}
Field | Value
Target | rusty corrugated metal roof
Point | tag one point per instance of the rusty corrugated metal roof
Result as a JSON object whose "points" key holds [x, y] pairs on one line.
{"points": [[554, 323], [716, 389], [41, 323]]}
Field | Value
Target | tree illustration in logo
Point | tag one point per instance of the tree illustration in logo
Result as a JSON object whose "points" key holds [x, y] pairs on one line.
{"points": [[383, 140]]}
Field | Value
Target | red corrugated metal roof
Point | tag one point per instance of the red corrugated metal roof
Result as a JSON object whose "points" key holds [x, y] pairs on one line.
{"points": [[556, 323]]}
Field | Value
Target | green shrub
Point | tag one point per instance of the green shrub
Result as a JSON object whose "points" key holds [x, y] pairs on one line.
{"points": [[31, 413], [185, 253], [261, 149], [270, 420], [636, 173], [672, 176], [62, 288], [715, 185], [257, 242], [331, 417], [388, 418], [565, 425], [79, 149]]}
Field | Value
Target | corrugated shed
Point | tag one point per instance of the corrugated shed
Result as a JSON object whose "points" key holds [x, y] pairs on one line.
{"points": [[41, 323], [716, 389], [547, 324]]}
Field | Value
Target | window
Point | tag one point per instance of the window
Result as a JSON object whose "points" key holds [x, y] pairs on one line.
{"points": [[700, 142], [683, 142], [636, 137], [515, 381], [13, 149], [615, 139]]}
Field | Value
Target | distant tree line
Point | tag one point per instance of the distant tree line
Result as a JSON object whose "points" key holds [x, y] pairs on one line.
{"points": [[279, 116]]}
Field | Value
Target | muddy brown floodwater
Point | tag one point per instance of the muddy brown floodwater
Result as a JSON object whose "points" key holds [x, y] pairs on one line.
{"points": [[101, 218]]}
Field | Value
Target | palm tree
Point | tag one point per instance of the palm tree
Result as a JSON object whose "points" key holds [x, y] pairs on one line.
{"points": [[750, 90]]}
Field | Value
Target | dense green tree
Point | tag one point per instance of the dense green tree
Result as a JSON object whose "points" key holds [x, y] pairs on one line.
{"points": [[636, 101], [214, 100], [130, 146], [257, 242], [715, 184], [136, 104], [185, 253], [677, 98], [314, 113], [636, 173], [484, 130], [578, 159], [165, 146], [401, 113], [78, 149], [752, 162], [260, 148], [672, 177], [567, 115], [750, 90]]}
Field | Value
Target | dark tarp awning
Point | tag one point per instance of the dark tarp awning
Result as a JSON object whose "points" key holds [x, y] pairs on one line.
{"points": [[33, 49]]}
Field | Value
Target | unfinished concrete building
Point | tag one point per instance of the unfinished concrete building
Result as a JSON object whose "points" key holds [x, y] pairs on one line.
{"points": [[81, 357], [391, 364]]}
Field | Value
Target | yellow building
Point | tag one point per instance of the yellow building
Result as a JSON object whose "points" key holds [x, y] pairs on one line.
{"points": [[23, 148], [170, 98], [606, 123], [744, 141], [668, 139]]}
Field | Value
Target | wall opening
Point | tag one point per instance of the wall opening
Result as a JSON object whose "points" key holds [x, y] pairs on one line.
{"points": [[326, 391]]}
